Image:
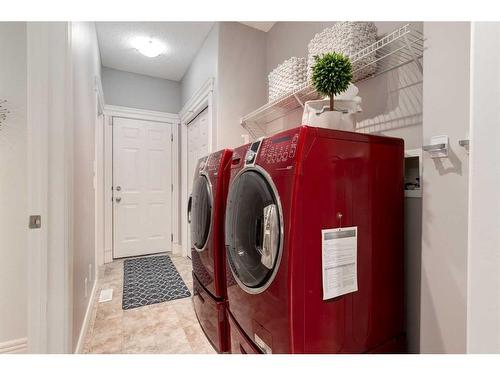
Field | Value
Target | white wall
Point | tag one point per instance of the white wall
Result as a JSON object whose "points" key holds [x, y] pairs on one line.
{"points": [[86, 66], [445, 188], [203, 66], [140, 91], [241, 87], [483, 319], [13, 184]]}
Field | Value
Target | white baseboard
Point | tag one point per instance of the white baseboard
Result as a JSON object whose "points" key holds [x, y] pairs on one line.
{"points": [[108, 256], [17, 346], [86, 320]]}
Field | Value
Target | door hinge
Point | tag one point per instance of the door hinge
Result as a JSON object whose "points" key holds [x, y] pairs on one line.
{"points": [[172, 187], [171, 237], [171, 137]]}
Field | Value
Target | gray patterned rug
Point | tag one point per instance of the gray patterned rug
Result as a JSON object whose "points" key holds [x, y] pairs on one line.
{"points": [[151, 280]]}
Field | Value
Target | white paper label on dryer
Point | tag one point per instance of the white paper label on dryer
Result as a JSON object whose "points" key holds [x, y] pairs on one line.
{"points": [[339, 257]]}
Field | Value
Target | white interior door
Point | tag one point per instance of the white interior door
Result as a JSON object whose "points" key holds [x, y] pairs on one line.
{"points": [[142, 187], [197, 147]]}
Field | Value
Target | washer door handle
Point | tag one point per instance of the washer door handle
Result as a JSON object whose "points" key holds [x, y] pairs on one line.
{"points": [[270, 238], [190, 201]]}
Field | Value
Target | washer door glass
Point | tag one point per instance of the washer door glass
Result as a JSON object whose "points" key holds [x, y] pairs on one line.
{"points": [[252, 229], [201, 212]]}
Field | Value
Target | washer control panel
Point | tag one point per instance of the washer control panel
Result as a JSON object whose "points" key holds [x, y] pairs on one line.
{"points": [[279, 149]]}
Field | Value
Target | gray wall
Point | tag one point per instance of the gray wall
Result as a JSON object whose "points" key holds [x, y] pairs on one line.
{"points": [[392, 102], [140, 91], [241, 87], [233, 54], [446, 100], [13, 184], [392, 106], [203, 66], [287, 39]]}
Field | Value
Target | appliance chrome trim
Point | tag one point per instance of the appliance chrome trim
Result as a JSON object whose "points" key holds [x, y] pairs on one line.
{"points": [[269, 237], [210, 194], [267, 177]]}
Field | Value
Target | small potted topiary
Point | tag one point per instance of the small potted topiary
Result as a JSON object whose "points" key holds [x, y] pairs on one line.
{"points": [[331, 75]]}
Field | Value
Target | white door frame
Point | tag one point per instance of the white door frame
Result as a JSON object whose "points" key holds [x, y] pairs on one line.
{"points": [[99, 181], [202, 99], [106, 162], [483, 259], [50, 176]]}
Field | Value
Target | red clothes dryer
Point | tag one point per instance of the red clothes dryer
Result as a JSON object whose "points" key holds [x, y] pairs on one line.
{"points": [[295, 285], [206, 208]]}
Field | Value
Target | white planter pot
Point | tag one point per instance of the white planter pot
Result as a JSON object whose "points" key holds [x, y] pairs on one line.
{"points": [[332, 120]]}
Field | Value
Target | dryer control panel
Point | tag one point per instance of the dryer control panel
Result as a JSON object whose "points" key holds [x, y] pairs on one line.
{"points": [[279, 149], [213, 161]]}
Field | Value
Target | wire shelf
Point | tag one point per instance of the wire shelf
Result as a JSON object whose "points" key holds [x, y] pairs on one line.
{"points": [[404, 45]]}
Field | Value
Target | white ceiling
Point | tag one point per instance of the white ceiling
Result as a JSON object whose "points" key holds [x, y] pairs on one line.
{"points": [[183, 39], [263, 26]]}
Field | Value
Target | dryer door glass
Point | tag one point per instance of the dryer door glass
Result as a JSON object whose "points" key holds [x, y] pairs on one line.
{"points": [[201, 211], [252, 229]]}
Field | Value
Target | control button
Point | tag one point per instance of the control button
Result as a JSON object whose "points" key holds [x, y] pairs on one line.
{"points": [[250, 157]]}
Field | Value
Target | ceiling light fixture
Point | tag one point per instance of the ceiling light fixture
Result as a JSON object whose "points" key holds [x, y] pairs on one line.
{"points": [[148, 47]]}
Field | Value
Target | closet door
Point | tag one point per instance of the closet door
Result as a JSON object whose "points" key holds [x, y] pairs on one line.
{"points": [[197, 147]]}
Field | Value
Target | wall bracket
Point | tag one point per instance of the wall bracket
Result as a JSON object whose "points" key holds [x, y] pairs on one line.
{"points": [[438, 146]]}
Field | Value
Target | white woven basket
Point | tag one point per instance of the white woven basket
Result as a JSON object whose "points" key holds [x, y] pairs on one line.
{"points": [[347, 38], [287, 77]]}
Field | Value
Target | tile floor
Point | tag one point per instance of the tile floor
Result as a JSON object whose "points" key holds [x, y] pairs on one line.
{"points": [[169, 327]]}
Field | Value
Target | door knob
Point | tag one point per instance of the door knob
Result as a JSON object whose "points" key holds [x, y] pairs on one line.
{"points": [[118, 199], [118, 188]]}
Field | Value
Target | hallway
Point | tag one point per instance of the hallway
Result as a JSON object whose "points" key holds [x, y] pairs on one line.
{"points": [[169, 327]]}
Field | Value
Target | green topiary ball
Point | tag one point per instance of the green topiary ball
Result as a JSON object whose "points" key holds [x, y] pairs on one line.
{"points": [[332, 73]]}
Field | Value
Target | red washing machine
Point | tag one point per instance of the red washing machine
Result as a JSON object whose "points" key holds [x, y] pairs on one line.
{"points": [[314, 243], [206, 208]]}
